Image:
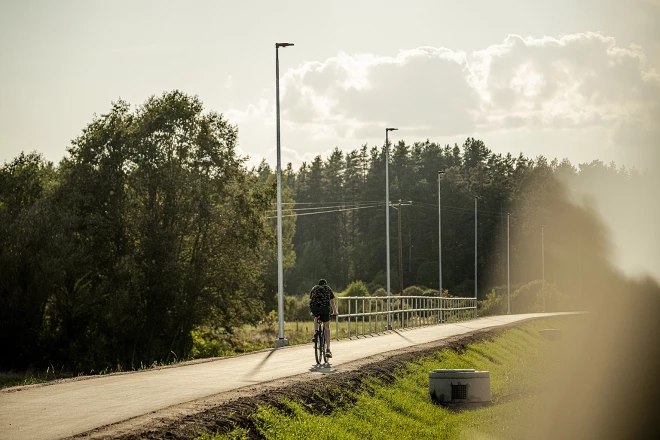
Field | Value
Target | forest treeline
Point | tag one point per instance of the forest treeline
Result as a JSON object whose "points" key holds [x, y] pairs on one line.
{"points": [[152, 226]]}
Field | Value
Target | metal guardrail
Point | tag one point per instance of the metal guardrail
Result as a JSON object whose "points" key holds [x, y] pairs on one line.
{"points": [[369, 315]]}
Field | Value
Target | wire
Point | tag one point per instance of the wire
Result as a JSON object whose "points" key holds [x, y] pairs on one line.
{"points": [[457, 209], [346, 206], [325, 212], [326, 207], [331, 203], [435, 206]]}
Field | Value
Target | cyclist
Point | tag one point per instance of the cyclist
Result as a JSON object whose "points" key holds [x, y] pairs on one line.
{"points": [[321, 302]]}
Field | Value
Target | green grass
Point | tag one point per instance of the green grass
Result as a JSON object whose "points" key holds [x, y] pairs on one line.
{"points": [[14, 378], [30, 377], [250, 338], [519, 362]]}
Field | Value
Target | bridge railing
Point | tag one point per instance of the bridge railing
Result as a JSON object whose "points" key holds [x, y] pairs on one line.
{"points": [[371, 315]]}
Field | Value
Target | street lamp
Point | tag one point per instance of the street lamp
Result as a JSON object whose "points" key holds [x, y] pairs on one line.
{"points": [[543, 264], [440, 173], [281, 342], [508, 266], [475, 253], [387, 222]]}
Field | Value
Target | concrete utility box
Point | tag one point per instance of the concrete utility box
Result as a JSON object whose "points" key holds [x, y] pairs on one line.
{"points": [[553, 334], [459, 387]]}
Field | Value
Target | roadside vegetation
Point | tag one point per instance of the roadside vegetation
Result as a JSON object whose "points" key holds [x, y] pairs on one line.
{"points": [[519, 360], [209, 341]]}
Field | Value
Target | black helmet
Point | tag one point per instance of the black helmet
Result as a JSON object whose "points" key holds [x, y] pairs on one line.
{"points": [[322, 282]]}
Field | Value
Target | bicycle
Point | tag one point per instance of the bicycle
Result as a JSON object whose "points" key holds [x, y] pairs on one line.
{"points": [[320, 343]]}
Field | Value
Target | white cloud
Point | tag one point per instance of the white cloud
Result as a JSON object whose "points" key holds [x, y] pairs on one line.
{"points": [[251, 113], [568, 82], [575, 82], [424, 87]]}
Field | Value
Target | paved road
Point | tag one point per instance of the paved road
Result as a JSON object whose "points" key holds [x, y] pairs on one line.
{"points": [[73, 407]]}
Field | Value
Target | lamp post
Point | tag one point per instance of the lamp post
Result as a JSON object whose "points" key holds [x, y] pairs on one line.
{"points": [[475, 254], [580, 270], [508, 266], [543, 264], [440, 173], [280, 271], [387, 223]]}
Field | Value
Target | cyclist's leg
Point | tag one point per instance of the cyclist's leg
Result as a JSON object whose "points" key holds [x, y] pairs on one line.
{"points": [[326, 330], [314, 313]]}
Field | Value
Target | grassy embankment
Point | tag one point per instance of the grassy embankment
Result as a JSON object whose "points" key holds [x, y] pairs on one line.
{"points": [[519, 360]]}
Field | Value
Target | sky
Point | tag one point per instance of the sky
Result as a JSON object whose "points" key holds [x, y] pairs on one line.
{"points": [[576, 79]]}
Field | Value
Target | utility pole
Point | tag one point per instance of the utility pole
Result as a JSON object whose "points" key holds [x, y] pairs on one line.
{"points": [[409, 250], [400, 244]]}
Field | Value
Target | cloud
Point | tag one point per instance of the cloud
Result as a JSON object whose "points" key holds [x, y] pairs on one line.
{"points": [[424, 89], [569, 82], [253, 112], [580, 82]]}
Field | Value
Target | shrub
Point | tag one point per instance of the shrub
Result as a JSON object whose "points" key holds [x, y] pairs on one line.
{"points": [[555, 300], [494, 304], [430, 292], [527, 298], [270, 322], [356, 288], [296, 309], [208, 342], [413, 291]]}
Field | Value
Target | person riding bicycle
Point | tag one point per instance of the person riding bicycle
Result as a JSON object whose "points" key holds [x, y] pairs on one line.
{"points": [[321, 303]]}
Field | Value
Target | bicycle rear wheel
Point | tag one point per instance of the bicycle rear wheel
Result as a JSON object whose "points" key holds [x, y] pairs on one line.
{"points": [[325, 356], [319, 346]]}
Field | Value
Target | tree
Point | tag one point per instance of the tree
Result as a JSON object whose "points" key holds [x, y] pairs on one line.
{"points": [[153, 228]]}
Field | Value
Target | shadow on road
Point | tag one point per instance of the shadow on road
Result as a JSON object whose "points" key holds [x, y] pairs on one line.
{"points": [[407, 339], [261, 364], [323, 368]]}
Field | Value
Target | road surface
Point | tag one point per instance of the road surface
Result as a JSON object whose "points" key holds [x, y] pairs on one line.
{"points": [[63, 409]]}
